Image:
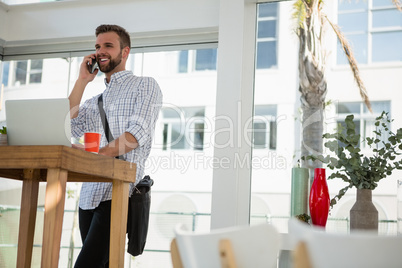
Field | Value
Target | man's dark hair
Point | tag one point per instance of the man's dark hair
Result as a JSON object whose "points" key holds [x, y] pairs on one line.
{"points": [[120, 31]]}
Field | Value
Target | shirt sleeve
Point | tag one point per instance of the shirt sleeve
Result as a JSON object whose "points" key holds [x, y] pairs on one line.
{"points": [[148, 103], [79, 124]]}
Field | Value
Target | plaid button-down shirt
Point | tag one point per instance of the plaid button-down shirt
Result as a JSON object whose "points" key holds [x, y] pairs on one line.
{"points": [[131, 104]]}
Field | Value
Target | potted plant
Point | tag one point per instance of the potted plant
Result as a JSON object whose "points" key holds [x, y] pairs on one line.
{"points": [[304, 218], [362, 171], [3, 136]]}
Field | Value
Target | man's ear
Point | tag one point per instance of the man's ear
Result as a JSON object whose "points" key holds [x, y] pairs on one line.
{"points": [[126, 52]]}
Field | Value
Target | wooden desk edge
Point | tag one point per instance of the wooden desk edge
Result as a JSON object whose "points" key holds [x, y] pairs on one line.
{"points": [[81, 165]]}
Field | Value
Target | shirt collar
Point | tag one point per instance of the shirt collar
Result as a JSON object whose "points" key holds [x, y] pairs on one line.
{"points": [[118, 77]]}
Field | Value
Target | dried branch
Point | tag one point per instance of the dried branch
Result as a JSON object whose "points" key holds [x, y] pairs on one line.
{"points": [[398, 4], [352, 63]]}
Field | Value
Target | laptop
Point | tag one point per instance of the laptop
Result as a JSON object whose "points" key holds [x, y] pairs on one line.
{"points": [[38, 122]]}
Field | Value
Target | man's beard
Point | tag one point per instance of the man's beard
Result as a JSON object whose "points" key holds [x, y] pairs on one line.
{"points": [[112, 64]]}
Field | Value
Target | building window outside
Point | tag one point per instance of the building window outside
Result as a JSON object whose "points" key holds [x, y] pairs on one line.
{"points": [[267, 35], [363, 118], [373, 28], [197, 60], [183, 128], [17, 73], [183, 61], [265, 131], [6, 70]]}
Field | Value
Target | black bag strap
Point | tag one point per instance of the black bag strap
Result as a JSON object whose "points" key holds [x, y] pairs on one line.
{"points": [[105, 123]]}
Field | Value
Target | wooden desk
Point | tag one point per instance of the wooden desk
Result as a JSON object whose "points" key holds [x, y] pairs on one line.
{"points": [[58, 165]]}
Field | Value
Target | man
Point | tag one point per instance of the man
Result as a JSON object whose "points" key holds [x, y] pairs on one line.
{"points": [[132, 105]]}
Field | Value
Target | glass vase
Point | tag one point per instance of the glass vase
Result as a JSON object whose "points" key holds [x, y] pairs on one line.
{"points": [[319, 200]]}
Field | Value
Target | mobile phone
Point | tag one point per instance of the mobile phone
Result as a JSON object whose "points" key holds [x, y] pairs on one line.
{"points": [[92, 67]]}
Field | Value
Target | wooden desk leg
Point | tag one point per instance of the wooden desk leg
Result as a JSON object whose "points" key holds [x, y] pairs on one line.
{"points": [[54, 210], [29, 202], [118, 223]]}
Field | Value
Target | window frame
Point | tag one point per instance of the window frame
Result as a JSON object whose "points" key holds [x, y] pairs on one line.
{"points": [[12, 73], [267, 39], [187, 124], [368, 32], [191, 64]]}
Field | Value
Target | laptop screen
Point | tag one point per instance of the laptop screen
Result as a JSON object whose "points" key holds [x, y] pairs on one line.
{"points": [[38, 122]]}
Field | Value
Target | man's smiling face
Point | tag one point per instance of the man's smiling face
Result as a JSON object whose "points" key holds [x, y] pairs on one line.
{"points": [[109, 53]]}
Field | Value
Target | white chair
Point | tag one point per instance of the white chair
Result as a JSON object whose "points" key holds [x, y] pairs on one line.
{"points": [[318, 249], [249, 246]]}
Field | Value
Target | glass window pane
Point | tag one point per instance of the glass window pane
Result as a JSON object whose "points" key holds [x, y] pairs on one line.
{"points": [[352, 5], [198, 136], [205, 59], [352, 22], [348, 108], [267, 29], [260, 135], [267, 9], [378, 107], [385, 46], [35, 72], [6, 72], [383, 3], [266, 54], [387, 18], [264, 110], [21, 72], [272, 135], [182, 153], [274, 96], [193, 111], [190, 168], [35, 78], [172, 112], [178, 137], [165, 136], [183, 61], [36, 65], [359, 44]]}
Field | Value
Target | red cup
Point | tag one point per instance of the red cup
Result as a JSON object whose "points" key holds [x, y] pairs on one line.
{"points": [[92, 141]]}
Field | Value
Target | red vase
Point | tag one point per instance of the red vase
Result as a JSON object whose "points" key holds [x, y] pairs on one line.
{"points": [[319, 198]]}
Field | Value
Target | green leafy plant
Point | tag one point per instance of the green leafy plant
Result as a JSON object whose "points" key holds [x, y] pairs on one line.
{"points": [[354, 168], [3, 130], [303, 217]]}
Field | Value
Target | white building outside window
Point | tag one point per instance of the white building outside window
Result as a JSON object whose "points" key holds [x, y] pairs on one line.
{"points": [[374, 28]]}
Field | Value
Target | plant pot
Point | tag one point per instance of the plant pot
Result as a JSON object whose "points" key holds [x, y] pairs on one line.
{"points": [[3, 140], [363, 214]]}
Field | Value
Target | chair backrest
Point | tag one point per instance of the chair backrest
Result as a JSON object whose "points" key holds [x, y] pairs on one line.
{"points": [[251, 246], [358, 249]]}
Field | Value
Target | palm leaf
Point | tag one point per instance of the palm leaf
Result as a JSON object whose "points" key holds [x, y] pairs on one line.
{"points": [[352, 63], [398, 4], [299, 15]]}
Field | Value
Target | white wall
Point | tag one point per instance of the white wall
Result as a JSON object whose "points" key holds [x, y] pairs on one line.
{"points": [[2, 25]]}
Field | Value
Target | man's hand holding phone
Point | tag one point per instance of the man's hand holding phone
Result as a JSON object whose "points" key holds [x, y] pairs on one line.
{"points": [[92, 65], [89, 68]]}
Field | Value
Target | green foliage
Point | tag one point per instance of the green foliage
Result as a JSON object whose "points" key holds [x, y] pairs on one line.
{"points": [[299, 14], [354, 168], [303, 217], [3, 130]]}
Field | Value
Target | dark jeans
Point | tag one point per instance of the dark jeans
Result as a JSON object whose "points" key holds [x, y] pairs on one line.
{"points": [[95, 235]]}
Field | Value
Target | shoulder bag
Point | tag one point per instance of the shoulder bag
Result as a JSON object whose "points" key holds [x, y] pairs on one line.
{"points": [[139, 203]]}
